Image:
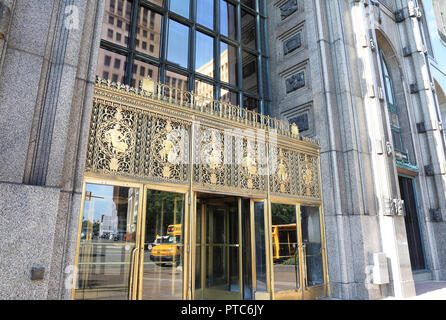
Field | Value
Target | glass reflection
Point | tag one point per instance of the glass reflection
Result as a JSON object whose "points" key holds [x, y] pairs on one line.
{"points": [[163, 246], [178, 43], [248, 30], [260, 247], [204, 57], [178, 82], [107, 242], [311, 238], [116, 20], [181, 7], [229, 96], [228, 63], [111, 66], [251, 103], [249, 72], [285, 247], [227, 20], [143, 70], [204, 89], [205, 13], [250, 3], [148, 32]]}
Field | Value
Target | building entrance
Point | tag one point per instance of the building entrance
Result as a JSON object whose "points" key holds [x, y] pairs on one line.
{"points": [[219, 248], [185, 200], [414, 239]]}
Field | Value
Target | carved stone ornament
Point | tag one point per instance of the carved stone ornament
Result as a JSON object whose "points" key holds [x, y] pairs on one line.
{"points": [[288, 8], [292, 44], [295, 82]]}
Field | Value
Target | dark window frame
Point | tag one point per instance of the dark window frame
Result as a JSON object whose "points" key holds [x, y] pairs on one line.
{"points": [[260, 51]]}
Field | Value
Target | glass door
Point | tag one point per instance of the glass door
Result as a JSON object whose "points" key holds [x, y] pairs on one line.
{"points": [[107, 244], [286, 251], [162, 255], [218, 248], [313, 245], [259, 258]]}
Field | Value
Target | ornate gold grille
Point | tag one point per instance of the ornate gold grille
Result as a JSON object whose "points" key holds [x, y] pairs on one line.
{"points": [[158, 133]]}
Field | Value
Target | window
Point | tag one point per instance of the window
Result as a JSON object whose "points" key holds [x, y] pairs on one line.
{"points": [[180, 7], [392, 105], [204, 55], [178, 44], [205, 13], [117, 64], [172, 44], [107, 61]]}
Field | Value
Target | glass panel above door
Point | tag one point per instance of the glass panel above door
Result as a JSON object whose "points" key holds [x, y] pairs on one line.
{"points": [[107, 242]]}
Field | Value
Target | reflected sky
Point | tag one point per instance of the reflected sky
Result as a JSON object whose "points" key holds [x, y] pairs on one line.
{"points": [[178, 43], [181, 7], [204, 53], [205, 13], [101, 202]]}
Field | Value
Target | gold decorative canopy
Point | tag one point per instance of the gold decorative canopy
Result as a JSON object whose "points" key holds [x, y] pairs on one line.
{"points": [[160, 133]]}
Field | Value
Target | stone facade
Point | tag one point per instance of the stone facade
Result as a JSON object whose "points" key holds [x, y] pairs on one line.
{"points": [[343, 100], [48, 59], [325, 76]]}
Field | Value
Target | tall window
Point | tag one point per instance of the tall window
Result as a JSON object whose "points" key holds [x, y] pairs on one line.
{"points": [[392, 106], [216, 48]]}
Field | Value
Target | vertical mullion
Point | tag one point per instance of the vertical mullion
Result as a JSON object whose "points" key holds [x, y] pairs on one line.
{"points": [[239, 52], [192, 44], [265, 56], [217, 50], [164, 31], [132, 37], [259, 58]]}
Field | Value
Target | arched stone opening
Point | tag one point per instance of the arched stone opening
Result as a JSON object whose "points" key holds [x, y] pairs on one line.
{"points": [[398, 109]]}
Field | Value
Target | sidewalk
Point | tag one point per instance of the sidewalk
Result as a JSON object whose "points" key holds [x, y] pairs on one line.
{"points": [[429, 290]]}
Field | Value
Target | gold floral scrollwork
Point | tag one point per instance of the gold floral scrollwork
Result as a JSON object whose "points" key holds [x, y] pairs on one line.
{"points": [[211, 157], [168, 148], [282, 171], [250, 164], [116, 140], [309, 176]]}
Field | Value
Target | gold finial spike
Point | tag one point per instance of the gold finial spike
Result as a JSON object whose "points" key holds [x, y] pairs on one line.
{"points": [[294, 130], [148, 85]]}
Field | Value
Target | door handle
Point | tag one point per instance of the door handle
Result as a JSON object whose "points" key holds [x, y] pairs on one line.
{"points": [[304, 248], [132, 271]]}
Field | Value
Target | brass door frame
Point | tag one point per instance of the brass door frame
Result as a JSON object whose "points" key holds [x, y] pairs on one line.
{"points": [[260, 295], [178, 190], [297, 294], [304, 292], [115, 183], [203, 244], [189, 251]]}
